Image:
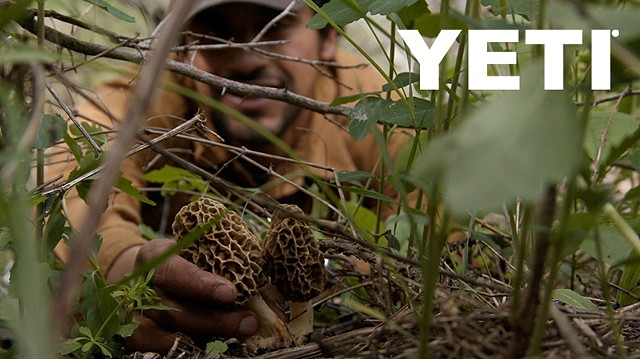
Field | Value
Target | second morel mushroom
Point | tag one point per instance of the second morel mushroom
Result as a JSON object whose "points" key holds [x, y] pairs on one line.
{"points": [[229, 249], [293, 260]]}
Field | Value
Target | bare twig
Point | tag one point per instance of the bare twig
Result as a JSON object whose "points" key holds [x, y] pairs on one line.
{"points": [[73, 118]]}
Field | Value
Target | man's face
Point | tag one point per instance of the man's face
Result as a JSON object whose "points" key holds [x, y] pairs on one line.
{"points": [[240, 23]]}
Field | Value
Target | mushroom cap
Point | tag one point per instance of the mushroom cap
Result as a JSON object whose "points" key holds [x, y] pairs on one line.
{"points": [[291, 256], [228, 248]]}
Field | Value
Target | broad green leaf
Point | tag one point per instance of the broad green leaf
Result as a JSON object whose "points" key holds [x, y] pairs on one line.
{"points": [[127, 330], [52, 128], [520, 7], [633, 194], [355, 177], [54, 229], [69, 346], [621, 127], [21, 55], [351, 98], [511, 147], [97, 305], [368, 193], [402, 80], [96, 132], [635, 159], [9, 11], [573, 299], [398, 113], [146, 231], [365, 220], [615, 247], [168, 174], [215, 349], [372, 110], [400, 225], [362, 118], [127, 187], [630, 278], [75, 148], [112, 10], [564, 14], [411, 14], [176, 178], [343, 12]]}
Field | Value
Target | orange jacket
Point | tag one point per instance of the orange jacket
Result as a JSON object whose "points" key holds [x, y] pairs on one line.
{"points": [[313, 137]]}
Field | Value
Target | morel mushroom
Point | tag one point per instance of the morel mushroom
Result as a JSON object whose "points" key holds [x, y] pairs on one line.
{"points": [[293, 260], [229, 249]]}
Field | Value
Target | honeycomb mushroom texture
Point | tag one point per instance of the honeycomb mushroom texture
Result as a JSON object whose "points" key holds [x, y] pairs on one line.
{"points": [[228, 249], [292, 257]]}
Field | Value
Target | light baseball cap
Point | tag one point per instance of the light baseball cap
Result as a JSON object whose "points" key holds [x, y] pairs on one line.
{"points": [[274, 4]]}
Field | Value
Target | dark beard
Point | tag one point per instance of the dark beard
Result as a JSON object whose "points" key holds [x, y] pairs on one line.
{"points": [[252, 140]]}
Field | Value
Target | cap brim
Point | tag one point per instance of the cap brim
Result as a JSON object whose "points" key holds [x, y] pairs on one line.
{"points": [[274, 4]]}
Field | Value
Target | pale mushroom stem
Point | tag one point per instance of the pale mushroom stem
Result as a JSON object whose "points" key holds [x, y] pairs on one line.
{"points": [[272, 331], [301, 320]]}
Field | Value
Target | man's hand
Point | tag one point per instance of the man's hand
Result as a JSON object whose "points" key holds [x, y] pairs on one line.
{"points": [[201, 300]]}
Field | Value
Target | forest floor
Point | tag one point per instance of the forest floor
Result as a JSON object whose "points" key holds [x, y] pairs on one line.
{"points": [[472, 319]]}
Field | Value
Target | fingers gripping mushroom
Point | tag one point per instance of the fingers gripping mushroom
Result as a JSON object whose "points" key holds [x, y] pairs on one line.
{"points": [[229, 249], [293, 260]]}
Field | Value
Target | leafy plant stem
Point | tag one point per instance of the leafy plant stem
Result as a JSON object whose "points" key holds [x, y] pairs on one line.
{"points": [[525, 318], [430, 253], [623, 226]]}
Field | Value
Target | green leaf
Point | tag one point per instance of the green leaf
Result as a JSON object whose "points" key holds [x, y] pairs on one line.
{"points": [[368, 193], [520, 7], [630, 278], [509, 148], [96, 132], [215, 349], [372, 110], [635, 159], [615, 247], [26, 54], [112, 10], [362, 118], [127, 330], [411, 14], [571, 298], [402, 80], [176, 178], [354, 177], [351, 98], [54, 229], [127, 187], [365, 220], [69, 346], [52, 128], [146, 231], [398, 113], [343, 12], [86, 332], [97, 306], [75, 148], [621, 127]]}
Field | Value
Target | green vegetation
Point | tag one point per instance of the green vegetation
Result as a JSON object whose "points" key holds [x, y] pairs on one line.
{"points": [[560, 169]]}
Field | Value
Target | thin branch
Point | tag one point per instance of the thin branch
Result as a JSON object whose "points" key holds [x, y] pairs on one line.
{"points": [[221, 83], [73, 118]]}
